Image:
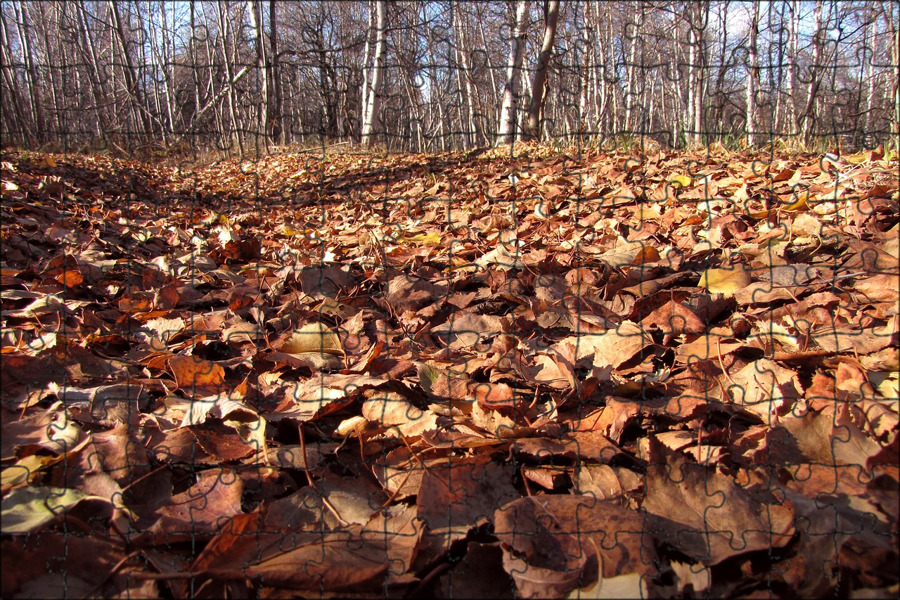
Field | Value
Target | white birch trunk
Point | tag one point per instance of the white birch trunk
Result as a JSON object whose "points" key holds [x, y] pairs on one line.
{"points": [[539, 87], [256, 27], [752, 75], [507, 130], [808, 112], [364, 102], [371, 114]]}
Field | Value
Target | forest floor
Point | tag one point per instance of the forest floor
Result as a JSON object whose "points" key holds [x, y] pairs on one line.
{"points": [[545, 375]]}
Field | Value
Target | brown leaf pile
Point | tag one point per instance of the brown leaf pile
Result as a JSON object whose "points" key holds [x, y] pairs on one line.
{"points": [[549, 375]]}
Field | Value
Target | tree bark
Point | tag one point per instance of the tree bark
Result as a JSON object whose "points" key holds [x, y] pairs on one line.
{"points": [[224, 27], [809, 112], [895, 61], [20, 130], [507, 130], [372, 104], [30, 75], [131, 79], [254, 7], [274, 126], [535, 110], [752, 75]]}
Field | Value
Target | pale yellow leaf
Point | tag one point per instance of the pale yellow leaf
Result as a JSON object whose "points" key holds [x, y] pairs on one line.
{"points": [[352, 426], [313, 337], [682, 180], [424, 239], [29, 508], [725, 281]]}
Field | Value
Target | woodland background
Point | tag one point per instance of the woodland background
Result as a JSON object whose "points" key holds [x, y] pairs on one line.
{"points": [[242, 77]]}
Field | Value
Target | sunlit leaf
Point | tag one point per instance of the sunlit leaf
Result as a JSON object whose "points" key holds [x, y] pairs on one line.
{"points": [[29, 508], [432, 238], [682, 180], [725, 281], [313, 337]]}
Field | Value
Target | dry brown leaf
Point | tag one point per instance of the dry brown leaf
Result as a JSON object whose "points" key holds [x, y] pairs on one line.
{"points": [[706, 515]]}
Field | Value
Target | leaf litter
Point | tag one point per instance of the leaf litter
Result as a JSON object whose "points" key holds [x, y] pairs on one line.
{"points": [[550, 374]]}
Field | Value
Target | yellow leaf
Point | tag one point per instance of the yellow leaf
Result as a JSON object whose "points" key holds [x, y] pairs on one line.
{"points": [[682, 180], [798, 205], [313, 337], [725, 281], [424, 239], [352, 426], [29, 508], [23, 471], [890, 386]]}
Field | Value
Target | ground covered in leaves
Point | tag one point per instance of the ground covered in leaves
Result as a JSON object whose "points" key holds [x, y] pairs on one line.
{"points": [[556, 374]]}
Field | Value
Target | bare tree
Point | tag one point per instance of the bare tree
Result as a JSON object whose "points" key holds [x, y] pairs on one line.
{"points": [[535, 109], [891, 20], [93, 75], [273, 123], [815, 80], [374, 80], [254, 9], [508, 111], [752, 73]]}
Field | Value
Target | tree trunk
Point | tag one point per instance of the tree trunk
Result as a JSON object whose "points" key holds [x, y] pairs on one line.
{"points": [[131, 79], [466, 85], [55, 91], [895, 60], [507, 131], [37, 117], [490, 70], [274, 126], [696, 18], [20, 133], [372, 104], [752, 75], [229, 61], [535, 110], [792, 67], [629, 98], [809, 112], [364, 101], [254, 7]]}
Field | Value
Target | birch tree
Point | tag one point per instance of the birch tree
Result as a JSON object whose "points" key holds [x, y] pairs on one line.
{"points": [[508, 111], [808, 114], [535, 109], [254, 9], [752, 74], [371, 107]]}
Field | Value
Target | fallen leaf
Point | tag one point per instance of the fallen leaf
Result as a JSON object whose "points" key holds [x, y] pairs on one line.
{"points": [[725, 281], [706, 515], [313, 338], [29, 508]]}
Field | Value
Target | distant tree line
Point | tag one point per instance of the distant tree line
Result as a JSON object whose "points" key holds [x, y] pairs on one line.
{"points": [[248, 76]]}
